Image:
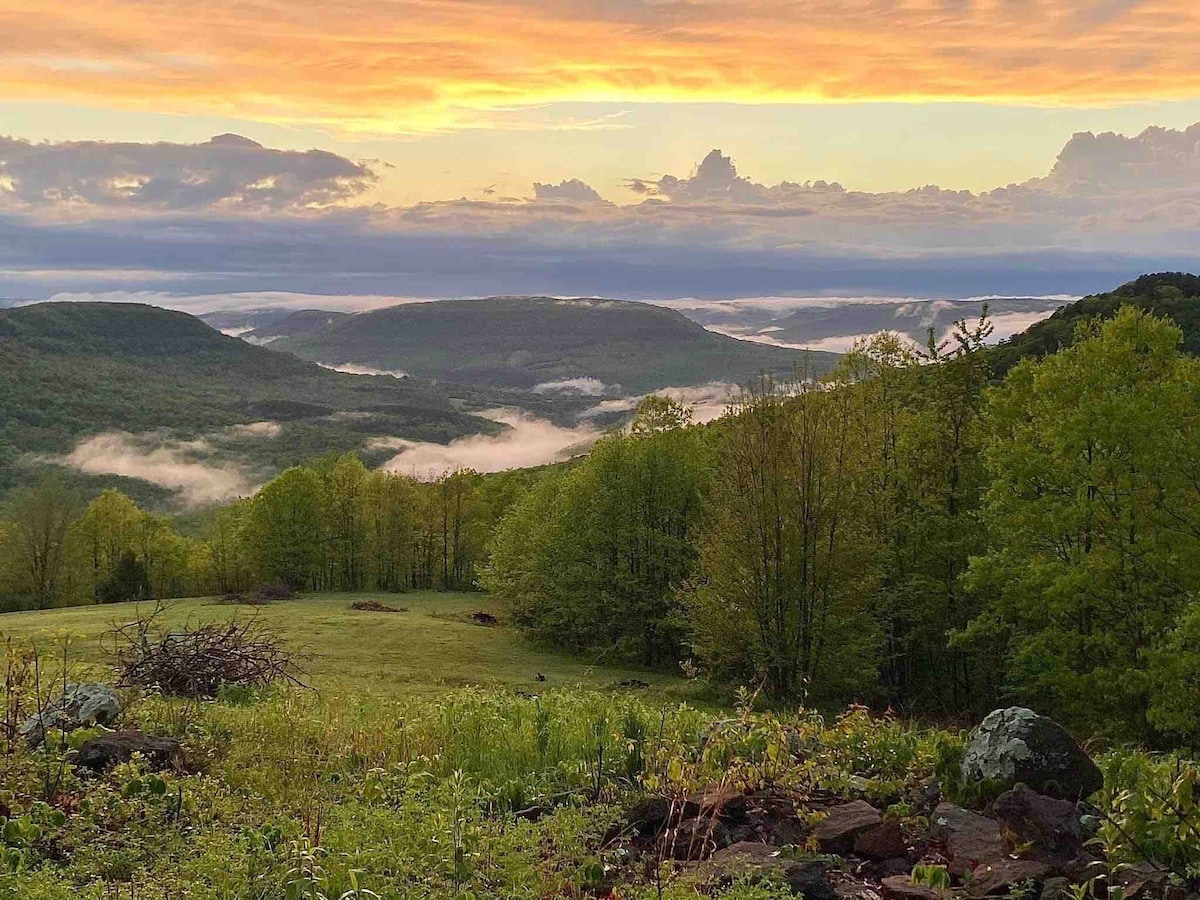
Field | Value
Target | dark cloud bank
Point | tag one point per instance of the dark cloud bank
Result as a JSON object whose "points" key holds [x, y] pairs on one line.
{"points": [[231, 215]]}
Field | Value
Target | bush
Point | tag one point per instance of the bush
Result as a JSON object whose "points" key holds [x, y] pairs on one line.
{"points": [[129, 581]]}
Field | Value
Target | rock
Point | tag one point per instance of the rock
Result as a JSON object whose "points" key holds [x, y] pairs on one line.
{"points": [[901, 887], [696, 838], [804, 877], [999, 877], [1017, 745], [1051, 826], [1144, 879], [1056, 888], [880, 842], [80, 706], [726, 801], [897, 866], [842, 824], [970, 839], [648, 816], [107, 750]]}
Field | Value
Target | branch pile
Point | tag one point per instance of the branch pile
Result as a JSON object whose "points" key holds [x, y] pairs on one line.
{"points": [[197, 662]]}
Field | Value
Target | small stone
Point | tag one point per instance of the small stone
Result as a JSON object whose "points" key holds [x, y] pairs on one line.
{"points": [[836, 833], [1017, 745], [970, 839], [883, 841], [998, 877], [1056, 888]]}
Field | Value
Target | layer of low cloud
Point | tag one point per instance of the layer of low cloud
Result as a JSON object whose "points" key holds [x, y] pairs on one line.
{"points": [[1110, 208], [174, 466], [356, 369], [527, 441], [583, 386]]}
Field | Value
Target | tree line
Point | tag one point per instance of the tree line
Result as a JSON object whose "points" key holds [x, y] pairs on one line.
{"points": [[333, 525]]}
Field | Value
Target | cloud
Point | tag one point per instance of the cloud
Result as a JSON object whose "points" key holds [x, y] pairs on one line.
{"points": [[587, 387], [355, 369], [257, 429], [573, 191], [713, 233], [404, 66], [1156, 159], [170, 465], [707, 401], [527, 441], [226, 171]]}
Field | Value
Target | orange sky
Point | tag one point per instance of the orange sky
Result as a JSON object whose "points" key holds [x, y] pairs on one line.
{"points": [[402, 66]]}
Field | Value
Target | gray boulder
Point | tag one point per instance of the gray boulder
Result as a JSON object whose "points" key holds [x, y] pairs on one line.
{"points": [[1016, 745], [80, 706]]}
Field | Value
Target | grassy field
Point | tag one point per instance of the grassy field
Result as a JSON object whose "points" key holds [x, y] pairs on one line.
{"points": [[431, 647]]}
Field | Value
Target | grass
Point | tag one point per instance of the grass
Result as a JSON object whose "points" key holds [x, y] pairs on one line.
{"points": [[429, 649]]}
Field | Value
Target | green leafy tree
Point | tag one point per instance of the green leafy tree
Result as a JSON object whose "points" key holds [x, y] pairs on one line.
{"points": [[1093, 516], [785, 560], [592, 559], [284, 528]]}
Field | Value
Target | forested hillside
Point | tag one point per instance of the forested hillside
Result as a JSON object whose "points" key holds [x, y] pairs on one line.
{"points": [[1172, 294], [527, 342], [73, 369]]}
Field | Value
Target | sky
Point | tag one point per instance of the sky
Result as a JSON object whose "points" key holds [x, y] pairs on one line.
{"points": [[633, 148]]}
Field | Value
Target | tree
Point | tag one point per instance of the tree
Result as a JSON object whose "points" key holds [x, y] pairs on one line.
{"points": [[42, 515], [284, 528], [785, 559], [592, 559], [1093, 519], [108, 529]]}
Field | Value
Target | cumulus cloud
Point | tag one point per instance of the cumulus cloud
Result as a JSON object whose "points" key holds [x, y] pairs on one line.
{"points": [[527, 441], [173, 466], [226, 171], [572, 191], [1156, 159], [713, 233]]}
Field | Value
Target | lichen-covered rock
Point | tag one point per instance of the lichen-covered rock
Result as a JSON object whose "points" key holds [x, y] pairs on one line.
{"points": [[80, 706], [1016, 745]]}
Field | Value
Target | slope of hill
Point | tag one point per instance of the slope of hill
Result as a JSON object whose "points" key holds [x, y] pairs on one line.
{"points": [[1172, 294], [540, 344], [265, 325], [75, 369]]}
